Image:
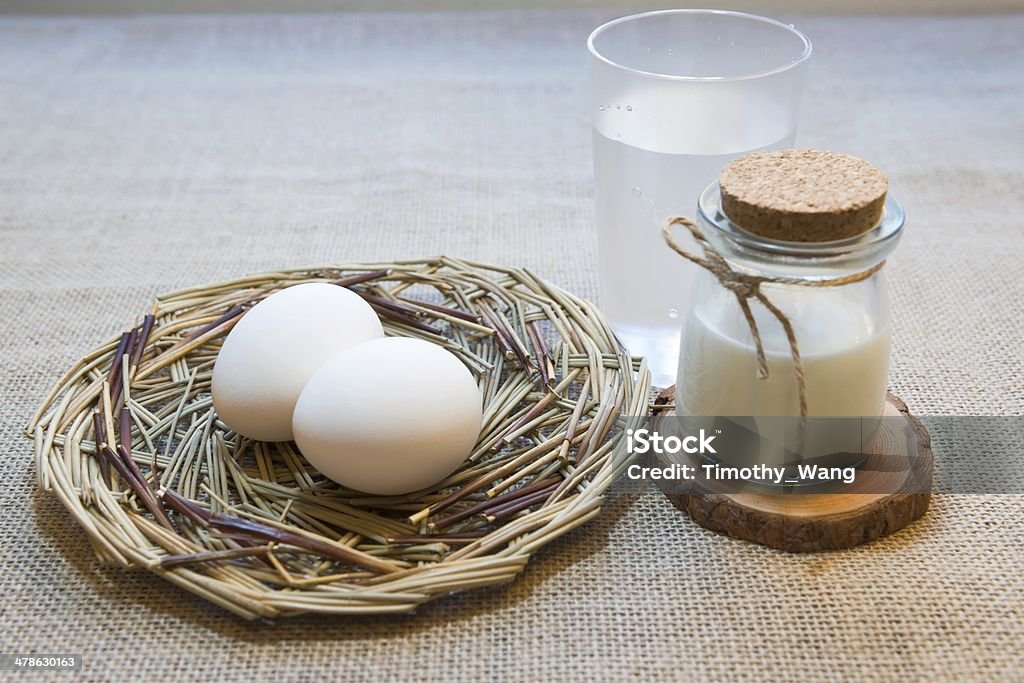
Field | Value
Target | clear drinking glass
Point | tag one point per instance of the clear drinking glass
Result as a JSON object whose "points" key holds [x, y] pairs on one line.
{"points": [[676, 95]]}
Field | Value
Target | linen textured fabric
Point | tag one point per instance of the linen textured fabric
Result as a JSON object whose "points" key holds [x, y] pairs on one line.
{"points": [[140, 155]]}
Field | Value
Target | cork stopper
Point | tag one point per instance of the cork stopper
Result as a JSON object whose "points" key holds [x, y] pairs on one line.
{"points": [[803, 195]]}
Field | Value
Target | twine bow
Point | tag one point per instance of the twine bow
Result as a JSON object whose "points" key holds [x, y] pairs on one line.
{"points": [[747, 287]]}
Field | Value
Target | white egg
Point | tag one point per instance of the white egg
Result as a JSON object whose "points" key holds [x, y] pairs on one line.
{"points": [[390, 416], [273, 350]]}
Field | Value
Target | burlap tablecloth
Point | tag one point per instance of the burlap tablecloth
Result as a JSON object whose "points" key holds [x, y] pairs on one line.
{"points": [[141, 155]]}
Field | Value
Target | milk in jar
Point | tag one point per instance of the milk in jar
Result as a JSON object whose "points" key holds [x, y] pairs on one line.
{"points": [[844, 349], [816, 229]]}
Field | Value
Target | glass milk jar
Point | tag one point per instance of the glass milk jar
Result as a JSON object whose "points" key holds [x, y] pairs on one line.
{"points": [[842, 330]]}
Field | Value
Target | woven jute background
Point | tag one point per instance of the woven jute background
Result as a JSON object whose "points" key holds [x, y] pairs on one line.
{"points": [[142, 155]]}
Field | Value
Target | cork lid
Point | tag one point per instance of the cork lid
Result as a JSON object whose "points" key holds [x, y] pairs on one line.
{"points": [[803, 195]]}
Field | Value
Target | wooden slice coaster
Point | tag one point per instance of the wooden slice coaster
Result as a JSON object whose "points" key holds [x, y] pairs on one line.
{"points": [[807, 522]]}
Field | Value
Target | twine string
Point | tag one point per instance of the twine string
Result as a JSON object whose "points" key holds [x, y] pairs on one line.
{"points": [[746, 287]]}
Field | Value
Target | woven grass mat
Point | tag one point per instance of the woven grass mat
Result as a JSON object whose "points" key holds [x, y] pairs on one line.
{"points": [[129, 442]]}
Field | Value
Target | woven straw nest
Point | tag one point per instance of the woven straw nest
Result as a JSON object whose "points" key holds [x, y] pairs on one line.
{"points": [[130, 443]]}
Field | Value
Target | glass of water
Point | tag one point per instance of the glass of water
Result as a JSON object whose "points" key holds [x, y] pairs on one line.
{"points": [[676, 95]]}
